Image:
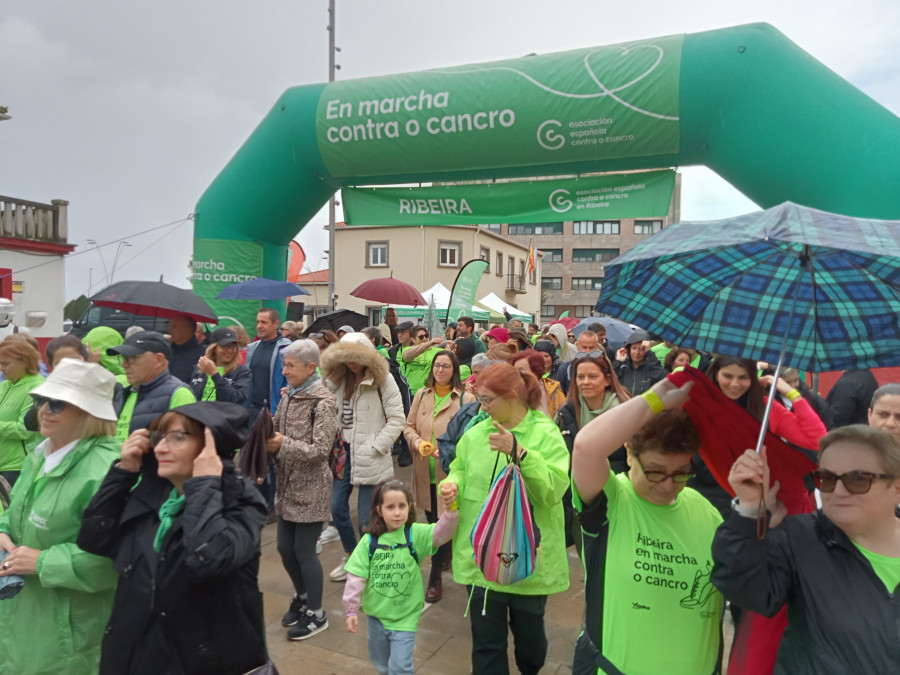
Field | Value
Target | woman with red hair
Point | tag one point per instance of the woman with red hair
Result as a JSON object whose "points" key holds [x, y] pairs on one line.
{"points": [[516, 426]]}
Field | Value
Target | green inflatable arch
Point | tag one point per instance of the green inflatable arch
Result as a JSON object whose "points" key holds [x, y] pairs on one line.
{"points": [[744, 101]]}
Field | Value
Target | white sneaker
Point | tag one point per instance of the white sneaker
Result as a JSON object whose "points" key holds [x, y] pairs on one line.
{"points": [[339, 573], [329, 534], [318, 546]]}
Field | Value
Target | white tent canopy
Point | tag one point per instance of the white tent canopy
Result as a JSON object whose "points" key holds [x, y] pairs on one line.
{"points": [[441, 296], [495, 304]]}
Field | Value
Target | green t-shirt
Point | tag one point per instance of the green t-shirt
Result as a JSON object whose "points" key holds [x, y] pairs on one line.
{"points": [[417, 370], [887, 568], [394, 591], [657, 579]]}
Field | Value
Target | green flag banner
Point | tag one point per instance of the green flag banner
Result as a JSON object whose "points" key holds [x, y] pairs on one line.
{"points": [[563, 315], [465, 287], [645, 194], [219, 263], [586, 104]]}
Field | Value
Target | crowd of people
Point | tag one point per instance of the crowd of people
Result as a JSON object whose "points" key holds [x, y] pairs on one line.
{"points": [[130, 540]]}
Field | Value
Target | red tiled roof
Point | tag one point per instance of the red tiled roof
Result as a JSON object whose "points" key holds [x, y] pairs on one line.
{"points": [[339, 223], [317, 277]]}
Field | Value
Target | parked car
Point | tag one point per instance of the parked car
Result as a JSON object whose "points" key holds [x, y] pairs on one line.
{"points": [[105, 316]]}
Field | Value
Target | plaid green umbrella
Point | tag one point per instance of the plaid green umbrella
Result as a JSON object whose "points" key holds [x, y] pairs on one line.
{"points": [[827, 285]]}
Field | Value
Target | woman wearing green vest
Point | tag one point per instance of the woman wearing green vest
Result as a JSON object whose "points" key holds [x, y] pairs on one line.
{"points": [[512, 399], [19, 363], [55, 623], [649, 604], [219, 375], [432, 408]]}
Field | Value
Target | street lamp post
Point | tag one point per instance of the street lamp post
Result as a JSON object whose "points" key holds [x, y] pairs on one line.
{"points": [[122, 244], [100, 253]]}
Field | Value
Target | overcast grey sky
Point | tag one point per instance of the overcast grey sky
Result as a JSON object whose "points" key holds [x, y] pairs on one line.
{"points": [[129, 110]]}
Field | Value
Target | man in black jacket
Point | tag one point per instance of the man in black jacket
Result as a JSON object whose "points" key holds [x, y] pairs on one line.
{"points": [[637, 367], [186, 351], [851, 396]]}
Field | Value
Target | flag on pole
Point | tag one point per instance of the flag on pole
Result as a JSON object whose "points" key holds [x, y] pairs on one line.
{"points": [[532, 252]]}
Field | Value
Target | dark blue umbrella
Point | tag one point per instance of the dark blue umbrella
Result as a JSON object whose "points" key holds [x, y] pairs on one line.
{"points": [[826, 287], [261, 289], [616, 331]]}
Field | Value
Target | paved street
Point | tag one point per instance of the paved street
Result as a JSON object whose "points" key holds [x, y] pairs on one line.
{"points": [[443, 642]]}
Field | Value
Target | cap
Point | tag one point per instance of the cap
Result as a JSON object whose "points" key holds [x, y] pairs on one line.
{"points": [[637, 336], [226, 421], [406, 325], [223, 336], [145, 341], [87, 386], [346, 329], [499, 333]]}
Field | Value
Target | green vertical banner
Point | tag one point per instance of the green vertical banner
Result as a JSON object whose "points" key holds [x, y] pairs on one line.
{"points": [[462, 297], [219, 263]]}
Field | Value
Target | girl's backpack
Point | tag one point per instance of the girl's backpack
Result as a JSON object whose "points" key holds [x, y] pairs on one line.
{"points": [[505, 537], [407, 530]]}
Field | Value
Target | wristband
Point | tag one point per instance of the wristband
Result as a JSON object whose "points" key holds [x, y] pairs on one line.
{"points": [[745, 511], [654, 401], [793, 395]]}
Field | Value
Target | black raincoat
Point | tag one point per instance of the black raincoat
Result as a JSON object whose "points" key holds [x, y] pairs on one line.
{"points": [[842, 617], [195, 606]]}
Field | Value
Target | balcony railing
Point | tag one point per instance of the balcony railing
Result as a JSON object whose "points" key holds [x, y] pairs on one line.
{"points": [[515, 283], [21, 219]]}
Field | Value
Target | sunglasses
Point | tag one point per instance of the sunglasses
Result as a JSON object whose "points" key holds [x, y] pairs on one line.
{"points": [[855, 482], [658, 476], [597, 354], [316, 336], [422, 336], [55, 405]]}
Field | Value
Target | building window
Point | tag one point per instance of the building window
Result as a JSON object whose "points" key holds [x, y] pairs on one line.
{"points": [[587, 283], [551, 283], [552, 255], [486, 256], [493, 227], [536, 228], [548, 310], [647, 226], [510, 265], [596, 227], [499, 266], [590, 255], [376, 254], [375, 315], [448, 253], [583, 311]]}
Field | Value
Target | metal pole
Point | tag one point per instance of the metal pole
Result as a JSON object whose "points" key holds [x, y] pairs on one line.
{"points": [[331, 204], [100, 253]]}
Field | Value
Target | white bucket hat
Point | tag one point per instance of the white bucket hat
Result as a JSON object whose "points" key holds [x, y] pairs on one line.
{"points": [[87, 386]]}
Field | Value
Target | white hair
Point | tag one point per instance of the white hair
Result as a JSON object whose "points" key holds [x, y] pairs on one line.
{"points": [[302, 351]]}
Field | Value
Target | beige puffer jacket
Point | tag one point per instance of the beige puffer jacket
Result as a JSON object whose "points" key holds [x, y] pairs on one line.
{"points": [[377, 407]]}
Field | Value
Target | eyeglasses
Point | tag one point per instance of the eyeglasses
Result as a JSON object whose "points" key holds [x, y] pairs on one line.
{"points": [[131, 358], [855, 482], [442, 366], [316, 336], [658, 476], [171, 437], [485, 400], [55, 405], [422, 336]]}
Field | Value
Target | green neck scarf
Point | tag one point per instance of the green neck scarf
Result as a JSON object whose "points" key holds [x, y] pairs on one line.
{"points": [[610, 400], [168, 512]]}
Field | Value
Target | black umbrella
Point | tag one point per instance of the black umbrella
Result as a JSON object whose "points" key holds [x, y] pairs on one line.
{"points": [[253, 461], [154, 298], [336, 319]]}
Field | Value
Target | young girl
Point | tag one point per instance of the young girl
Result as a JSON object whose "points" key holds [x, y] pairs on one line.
{"points": [[384, 571]]}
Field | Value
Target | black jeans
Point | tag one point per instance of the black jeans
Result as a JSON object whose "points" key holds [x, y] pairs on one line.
{"points": [[297, 546], [524, 615]]}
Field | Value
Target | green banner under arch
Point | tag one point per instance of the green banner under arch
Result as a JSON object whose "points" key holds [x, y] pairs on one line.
{"points": [[646, 194]]}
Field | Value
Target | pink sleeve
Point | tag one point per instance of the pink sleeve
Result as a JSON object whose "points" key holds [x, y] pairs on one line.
{"points": [[353, 590], [445, 528], [801, 426]]}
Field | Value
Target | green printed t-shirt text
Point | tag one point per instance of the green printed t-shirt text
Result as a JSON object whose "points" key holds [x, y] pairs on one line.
{"points": [[394, 592], [657, 582]]}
